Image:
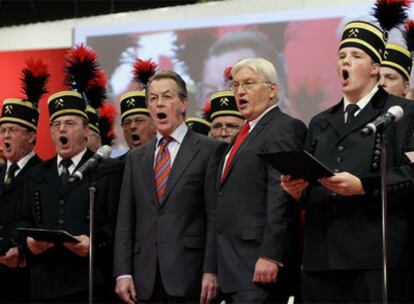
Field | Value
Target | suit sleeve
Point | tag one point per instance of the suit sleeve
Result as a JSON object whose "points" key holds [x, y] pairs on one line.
{"points": [[125, 224], [210, 193], [282, 212]]}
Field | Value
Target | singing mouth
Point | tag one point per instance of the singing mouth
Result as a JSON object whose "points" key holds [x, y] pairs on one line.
{"points": [[135, 137], [345, 75], [7, 145], [243, 101], [63, 140], [161, 115]]}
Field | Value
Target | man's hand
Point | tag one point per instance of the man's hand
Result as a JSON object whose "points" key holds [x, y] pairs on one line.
{"points": [[209, 288], [343, 183], [293, 186], [12, 258], [38, 247], [265, 271], [82, 248], [125, 289]]}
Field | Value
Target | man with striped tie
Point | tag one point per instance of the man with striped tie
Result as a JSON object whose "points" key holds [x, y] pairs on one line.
{"points": [[164, 241]]}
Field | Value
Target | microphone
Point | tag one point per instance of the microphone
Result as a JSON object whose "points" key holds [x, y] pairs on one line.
{"points": [[394, 113], [103, 152]]}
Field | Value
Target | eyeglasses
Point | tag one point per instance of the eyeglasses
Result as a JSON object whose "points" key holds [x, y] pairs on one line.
{"points": [[247, 86], [228, 128], [11, 131], [67, 124], [127, 123]]}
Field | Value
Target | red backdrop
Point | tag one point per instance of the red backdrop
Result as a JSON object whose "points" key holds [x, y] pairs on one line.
{"points": [[11, 64]]}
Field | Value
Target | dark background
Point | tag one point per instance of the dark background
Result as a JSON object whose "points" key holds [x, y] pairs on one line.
{"points": [[17, 12]]}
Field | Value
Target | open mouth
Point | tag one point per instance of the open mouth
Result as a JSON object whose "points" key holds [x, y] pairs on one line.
{"points": [[161, 116], [242, 101], [345, 75], [7, 146], [135, 137], [63, 140]]}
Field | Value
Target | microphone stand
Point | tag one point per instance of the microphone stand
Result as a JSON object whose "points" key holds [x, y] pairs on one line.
{"points": [[92, 193], [384, 213]]}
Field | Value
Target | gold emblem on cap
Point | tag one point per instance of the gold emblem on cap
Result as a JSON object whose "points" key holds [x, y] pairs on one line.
{"points": [[131, 102], [8, 109], [353, 32], [190, 124], [224, 101], [59, 103], [385, 54]]}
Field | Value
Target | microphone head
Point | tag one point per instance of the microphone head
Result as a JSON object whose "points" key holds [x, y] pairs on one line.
{"points": [[397, 112], [104, 151]]}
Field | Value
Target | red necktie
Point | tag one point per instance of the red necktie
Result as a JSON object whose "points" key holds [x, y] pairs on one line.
{"points": [[239, 140], [162, 167]]}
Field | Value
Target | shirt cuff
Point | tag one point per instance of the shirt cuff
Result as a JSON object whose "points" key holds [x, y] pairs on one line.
{"points": [[124, 276]]}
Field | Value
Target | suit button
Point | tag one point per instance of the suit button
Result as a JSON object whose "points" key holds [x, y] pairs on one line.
{"points": [[340, 148], [375, 165], [338, 160], [336, 170], [61, 221], [1, 227], [1, 239], [61, 202]]}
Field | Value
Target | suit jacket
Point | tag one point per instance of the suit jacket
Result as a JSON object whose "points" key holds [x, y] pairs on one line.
{"points": [[58, 272], [15, 281], [178, 234], [344, 233], [255, 217]]}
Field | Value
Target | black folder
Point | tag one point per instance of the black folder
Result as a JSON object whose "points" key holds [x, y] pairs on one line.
{"points": [[298, 164], [48, 235]]}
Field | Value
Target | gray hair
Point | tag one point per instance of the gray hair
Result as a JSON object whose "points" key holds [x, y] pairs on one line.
{"points": [[262, 67]]}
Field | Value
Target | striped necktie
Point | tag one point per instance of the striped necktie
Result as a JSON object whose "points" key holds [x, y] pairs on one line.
{"points": [[10, 175], [162, 167]]}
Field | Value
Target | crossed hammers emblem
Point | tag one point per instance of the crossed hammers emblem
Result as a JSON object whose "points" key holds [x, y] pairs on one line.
{"points": [[59, 103], [130, 102], [224, 101], [353, 32], [8, 109]]}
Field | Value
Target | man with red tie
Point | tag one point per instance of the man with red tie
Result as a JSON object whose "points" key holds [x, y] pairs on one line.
{"points": [[165, 234], [257, 224]]}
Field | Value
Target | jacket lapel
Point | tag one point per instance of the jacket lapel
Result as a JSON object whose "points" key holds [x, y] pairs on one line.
{"points": [[2, 176], [186, 153], [20, 176], [250, 138], [367, 114], [147, 165]]}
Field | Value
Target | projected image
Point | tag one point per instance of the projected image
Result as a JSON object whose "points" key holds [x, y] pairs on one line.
{"points": [[304, 53]]}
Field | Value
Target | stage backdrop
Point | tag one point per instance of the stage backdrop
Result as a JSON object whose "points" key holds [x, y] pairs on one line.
{"points": [[302, 44], [10, 87]]}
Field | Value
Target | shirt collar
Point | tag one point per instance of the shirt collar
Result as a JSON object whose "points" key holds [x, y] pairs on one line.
{"points": [[177, 135], [363, 101], [254, 122], [22, 162], [75, 159]]}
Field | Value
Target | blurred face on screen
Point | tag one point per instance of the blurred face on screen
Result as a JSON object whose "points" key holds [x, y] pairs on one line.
{"points": [[166, 108], [253, 94], [357, 72], [393, 82], [214, 66]]}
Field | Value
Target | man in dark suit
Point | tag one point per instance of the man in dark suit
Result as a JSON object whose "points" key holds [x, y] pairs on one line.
{"points": [[164, 241], [59, 272], [343, 245], [18, 124], [257, 225]]}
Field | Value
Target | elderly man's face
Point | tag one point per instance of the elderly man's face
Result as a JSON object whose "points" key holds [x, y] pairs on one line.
{"points": [[17, 141], [224, 128], [253, 94], [69, 135], [138, 129]]}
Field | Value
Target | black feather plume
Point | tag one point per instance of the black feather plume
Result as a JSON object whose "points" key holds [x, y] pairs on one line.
{"points": [[390, 13], [35, 77]]}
